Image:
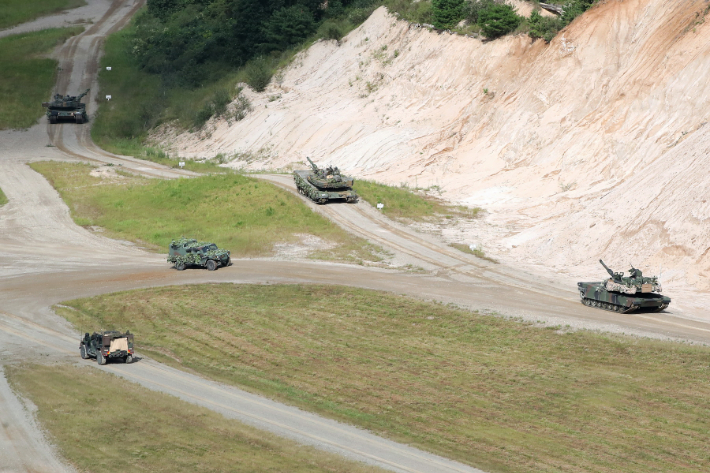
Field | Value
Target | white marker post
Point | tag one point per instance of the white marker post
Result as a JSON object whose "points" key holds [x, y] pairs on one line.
{"points": [[108, 68], [181, 164], [108, 97], [380, 206]]}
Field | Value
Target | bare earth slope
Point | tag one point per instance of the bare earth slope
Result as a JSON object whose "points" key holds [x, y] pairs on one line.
{"points": [[591, 146]]}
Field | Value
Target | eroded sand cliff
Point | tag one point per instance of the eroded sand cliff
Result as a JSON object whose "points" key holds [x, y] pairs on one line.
{"points": [[595, 145]]}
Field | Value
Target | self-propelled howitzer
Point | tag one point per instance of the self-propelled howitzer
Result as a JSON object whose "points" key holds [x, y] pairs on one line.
{"points": [[624, 294]]}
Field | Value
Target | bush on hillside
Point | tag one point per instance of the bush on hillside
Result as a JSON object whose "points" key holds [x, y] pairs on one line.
{"points": [[498, 20], [547, 28], [473, 8], [447, 13]]}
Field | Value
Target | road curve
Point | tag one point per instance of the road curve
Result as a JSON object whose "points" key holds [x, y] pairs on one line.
{"points": [[48, 259]]}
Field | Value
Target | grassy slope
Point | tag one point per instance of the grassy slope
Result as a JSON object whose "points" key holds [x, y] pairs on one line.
{"points": [[242, 214], [498, 394], [3, 198], [14, 12], [26, 76], [97, 429], [403, 203]]}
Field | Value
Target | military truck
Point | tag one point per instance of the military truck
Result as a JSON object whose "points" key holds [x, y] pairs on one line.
{"points": [[67, 107], [624, 294], [107, 345], [324, 185], [190, 252]]}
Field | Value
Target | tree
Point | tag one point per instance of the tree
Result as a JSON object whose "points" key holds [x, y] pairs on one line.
{"points": [[287, 27], [498, 20], [447, 13]]}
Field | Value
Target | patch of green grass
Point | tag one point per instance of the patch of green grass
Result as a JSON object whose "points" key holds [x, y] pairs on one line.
{"points": [[3, 198], [135, 147], [27, 76], [239, 213], [404, 203], [499, 394], [14, 12], [98, 421], [477, 252]]}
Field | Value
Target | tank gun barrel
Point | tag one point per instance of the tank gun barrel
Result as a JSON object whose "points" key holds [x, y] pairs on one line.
{"points": [[611, 273], [83, 94], [315, 168]]}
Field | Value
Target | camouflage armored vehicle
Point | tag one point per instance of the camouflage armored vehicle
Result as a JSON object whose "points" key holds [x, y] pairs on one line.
{"points": [[624, 294], [323, 185], [67, 107], [190, 252], [107, 345]]}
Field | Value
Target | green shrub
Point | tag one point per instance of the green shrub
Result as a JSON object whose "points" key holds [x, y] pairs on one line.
{"points": [[544, 27], [331, 30], [447, 13], [473, 8], [258, 73], [498, 20]]}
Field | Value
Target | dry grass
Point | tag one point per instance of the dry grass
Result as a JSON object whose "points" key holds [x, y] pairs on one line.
{"points": [[244, 215], [501, 395], [99, 421], [403, 203], [477, 252]]}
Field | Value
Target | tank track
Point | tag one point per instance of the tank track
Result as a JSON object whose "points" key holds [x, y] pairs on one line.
{"points": [[616, 308], [608, 306]]}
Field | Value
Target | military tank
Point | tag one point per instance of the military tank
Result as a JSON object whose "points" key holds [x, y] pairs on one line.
{"points": [[324, 185], [624, 294], [67, 107], [186, 252]]}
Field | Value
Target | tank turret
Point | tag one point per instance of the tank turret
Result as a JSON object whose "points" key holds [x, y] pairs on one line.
{"points": [[624, 294]]}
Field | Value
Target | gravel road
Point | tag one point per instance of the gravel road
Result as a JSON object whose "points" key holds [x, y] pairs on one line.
{"points": [[48, 259]]}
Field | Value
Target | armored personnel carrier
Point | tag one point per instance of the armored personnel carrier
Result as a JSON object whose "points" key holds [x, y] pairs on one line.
{"points": [[323, 185], [624, 294], [107, 345], [190, 252], [67, 107]]}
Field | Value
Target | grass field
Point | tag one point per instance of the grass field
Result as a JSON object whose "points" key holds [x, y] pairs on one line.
{"points": [[27, 76], [14, 12], [406, 204], [99, 421], [501, 395], [241, 214]]}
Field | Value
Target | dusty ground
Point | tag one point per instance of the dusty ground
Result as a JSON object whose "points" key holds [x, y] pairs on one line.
{"points": [[592, 146], [48, 259]]}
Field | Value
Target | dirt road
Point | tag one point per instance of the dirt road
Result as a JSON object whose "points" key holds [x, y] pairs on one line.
{"points": [[47, 259]]}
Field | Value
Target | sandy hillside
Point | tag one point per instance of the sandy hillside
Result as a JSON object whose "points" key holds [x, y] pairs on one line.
{"points": [[595, 145]]}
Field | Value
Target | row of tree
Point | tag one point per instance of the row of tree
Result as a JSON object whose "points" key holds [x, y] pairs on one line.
{"points": [[497, 18]]}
